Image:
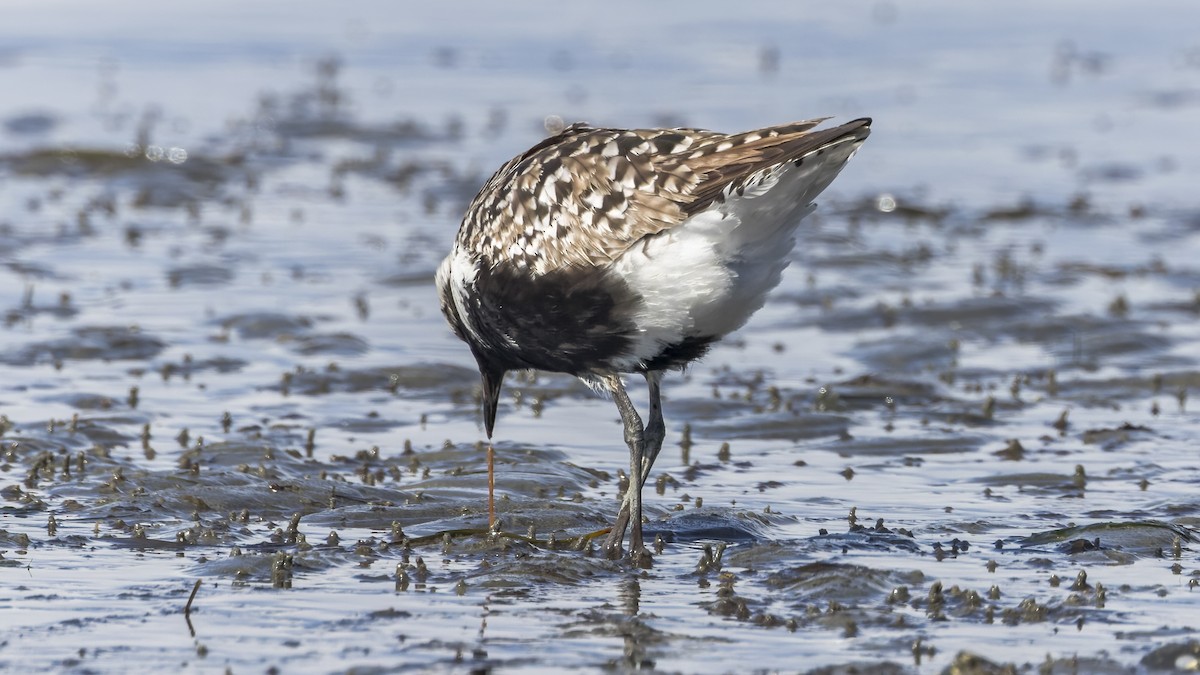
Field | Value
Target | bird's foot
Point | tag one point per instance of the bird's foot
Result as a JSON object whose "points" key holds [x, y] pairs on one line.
{"points": [[640, 557], [612, 546], [612, 552]]}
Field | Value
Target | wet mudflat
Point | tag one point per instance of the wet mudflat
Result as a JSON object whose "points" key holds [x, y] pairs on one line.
{"points": [[960, 437]]}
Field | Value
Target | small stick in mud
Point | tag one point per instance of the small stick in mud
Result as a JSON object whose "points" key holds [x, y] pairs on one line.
{"points": [[187, 609]]}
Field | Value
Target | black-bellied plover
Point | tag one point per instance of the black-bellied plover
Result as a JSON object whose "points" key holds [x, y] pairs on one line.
{"points": [[599, 252]]}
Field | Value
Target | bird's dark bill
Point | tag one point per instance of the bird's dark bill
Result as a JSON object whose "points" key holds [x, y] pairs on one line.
{"points": [[492, 379]]}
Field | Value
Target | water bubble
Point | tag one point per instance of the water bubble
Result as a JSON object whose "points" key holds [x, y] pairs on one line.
{"points": [[155, 153], [886, 203], [177, 155]]}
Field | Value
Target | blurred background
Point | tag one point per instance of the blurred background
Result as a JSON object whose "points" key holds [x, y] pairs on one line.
{"points": [[1020, 100], [219, 223]]}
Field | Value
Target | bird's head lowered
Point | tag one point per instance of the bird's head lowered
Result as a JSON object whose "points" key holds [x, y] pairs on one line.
{"points": [[451, 290]]}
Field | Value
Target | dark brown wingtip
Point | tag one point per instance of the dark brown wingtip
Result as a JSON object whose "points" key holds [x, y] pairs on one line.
{"points": [[492, 380], [860, 127]]}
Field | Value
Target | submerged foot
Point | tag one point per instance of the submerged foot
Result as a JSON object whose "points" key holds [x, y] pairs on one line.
{"points": [[641, 558], [612, 550], [639, 555]]}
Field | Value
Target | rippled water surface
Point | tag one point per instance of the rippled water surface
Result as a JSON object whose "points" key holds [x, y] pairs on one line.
{"points": [[959, 438]]}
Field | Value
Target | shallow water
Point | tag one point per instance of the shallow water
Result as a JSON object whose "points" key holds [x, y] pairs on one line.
{"points": [[960, 434]]}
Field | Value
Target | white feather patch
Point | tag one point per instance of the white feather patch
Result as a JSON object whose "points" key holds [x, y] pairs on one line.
{"points": [[708, 275]]}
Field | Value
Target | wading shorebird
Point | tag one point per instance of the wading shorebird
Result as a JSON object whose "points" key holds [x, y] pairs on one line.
{"points": [[600, 252]]}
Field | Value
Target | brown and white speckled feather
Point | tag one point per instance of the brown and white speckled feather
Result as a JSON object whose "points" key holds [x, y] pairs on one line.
{"points": [[586, 195]]}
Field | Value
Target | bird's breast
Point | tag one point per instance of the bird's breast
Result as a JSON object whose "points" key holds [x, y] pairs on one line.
{"points": [[574, 319]]}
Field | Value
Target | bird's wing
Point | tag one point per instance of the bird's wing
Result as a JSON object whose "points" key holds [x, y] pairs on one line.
{"points": [[586, 195]]}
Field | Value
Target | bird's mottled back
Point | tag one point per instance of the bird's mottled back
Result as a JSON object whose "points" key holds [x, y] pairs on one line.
{"points": [[587, 195]]}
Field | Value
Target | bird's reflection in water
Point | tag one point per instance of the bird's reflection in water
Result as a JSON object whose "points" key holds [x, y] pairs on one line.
{"points": [[633, 630]]}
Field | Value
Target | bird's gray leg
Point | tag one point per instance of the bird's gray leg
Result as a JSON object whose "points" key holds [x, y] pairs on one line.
{"points": [[635, 439], [656, 430], [655, 433]]}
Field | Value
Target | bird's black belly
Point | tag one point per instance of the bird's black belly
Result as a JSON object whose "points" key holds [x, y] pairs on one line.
{"points": [[679, 354], [572, 320]]}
